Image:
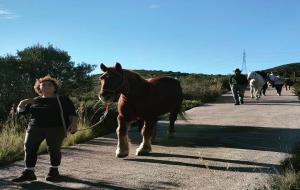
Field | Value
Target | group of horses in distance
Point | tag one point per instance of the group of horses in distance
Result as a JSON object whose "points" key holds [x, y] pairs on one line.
{"points": [[259, 82], [144, 100]]}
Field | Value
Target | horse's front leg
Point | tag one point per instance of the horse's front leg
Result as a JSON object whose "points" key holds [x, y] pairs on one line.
{"points": [[123, 142], [145, 146]]}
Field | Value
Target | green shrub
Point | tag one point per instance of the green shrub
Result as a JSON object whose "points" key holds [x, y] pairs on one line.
{"points": [[296, 89]]}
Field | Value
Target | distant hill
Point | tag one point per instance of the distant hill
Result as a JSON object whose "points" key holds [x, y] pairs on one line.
{"points": [[286, 70]]}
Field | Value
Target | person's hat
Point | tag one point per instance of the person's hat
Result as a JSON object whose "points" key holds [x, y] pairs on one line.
{"points": [[237, 70]]}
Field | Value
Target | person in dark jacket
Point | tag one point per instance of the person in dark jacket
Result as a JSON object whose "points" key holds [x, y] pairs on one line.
{"points": [[46, 122], [238, 83]]}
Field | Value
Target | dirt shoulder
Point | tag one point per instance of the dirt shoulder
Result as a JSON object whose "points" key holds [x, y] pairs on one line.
{"points": [[220, 146]]}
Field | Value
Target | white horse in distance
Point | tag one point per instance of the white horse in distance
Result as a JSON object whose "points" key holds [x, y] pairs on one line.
{"points": [[256, 83]]}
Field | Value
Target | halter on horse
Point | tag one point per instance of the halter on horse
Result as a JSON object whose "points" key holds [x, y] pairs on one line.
{"points": [[139, 99]]}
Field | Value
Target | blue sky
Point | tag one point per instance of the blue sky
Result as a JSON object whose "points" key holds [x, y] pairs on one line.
{"points": [[194, 36]]}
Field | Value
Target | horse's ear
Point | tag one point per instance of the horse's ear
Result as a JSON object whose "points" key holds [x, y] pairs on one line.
{"points": [[103, 67], [118, 67]]}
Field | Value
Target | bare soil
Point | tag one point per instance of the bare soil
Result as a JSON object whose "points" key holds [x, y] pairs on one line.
{"points": [[220, 146]]}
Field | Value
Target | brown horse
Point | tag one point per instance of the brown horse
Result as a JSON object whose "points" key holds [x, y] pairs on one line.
{"points": [[139, 99]]}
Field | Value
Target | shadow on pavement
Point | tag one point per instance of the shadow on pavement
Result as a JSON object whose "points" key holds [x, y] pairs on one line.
{"points": [[59, 185], [166, 155], [264, 168], [271, 104], [241, 137]]}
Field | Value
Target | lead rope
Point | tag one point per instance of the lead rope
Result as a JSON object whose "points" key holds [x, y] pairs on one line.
{"points": [[100, 120], [93, 126], [62, 115]]}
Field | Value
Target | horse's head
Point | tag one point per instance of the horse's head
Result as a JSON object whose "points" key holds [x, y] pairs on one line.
{"points": [[257, 75], [111, 82], [251, 75]]}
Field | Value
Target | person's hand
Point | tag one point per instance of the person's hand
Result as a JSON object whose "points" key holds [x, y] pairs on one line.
{"points": [[26, 101], [72, 129], [23, 103]]}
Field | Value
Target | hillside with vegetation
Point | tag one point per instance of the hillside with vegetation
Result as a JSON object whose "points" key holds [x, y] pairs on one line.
{"points": [[286, 70]]}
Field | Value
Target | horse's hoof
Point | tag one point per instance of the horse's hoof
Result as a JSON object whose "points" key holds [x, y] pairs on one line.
{"points": [[121, 155], [142, 153]]}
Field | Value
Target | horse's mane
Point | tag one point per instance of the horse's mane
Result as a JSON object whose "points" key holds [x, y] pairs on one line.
{"points": [[134, 79], [133, 75], [262, 73]]}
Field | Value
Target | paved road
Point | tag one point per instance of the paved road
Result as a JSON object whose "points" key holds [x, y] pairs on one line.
{"points": [[221, 146]]}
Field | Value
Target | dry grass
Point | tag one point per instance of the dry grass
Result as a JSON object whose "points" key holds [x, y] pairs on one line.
{"points": [[12, 142], [78, 137], [288, 180]]}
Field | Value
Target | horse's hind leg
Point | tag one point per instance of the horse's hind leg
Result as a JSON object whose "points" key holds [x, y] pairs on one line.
{"points": [[147, 131], [252, 91], [172, 118], [257, 92]]}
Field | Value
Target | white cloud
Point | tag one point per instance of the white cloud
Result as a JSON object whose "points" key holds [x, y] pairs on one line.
{"points": [[153, 6], [6, 14]]}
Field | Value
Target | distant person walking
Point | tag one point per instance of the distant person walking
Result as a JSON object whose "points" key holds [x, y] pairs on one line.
{"points": [[238, 83], [47, 122]]}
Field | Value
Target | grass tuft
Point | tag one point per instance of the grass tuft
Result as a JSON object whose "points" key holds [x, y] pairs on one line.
{"points": [[11, 145]]}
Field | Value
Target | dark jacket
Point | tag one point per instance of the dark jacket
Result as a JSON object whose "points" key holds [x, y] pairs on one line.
{"points": [[45, 112], [238, 79]]}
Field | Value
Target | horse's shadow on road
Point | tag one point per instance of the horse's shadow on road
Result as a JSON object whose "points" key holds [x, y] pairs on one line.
{"points": [[239, 137], [247, 166]]}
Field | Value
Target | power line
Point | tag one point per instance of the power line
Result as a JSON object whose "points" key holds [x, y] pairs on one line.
{"points": [[244, 64]]}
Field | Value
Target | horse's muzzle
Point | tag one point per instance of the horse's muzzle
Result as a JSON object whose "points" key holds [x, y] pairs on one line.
{"points": [[106, 97]]}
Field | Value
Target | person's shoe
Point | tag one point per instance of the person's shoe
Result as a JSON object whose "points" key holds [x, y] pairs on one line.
{"points": [[237, 104], [242, 101], [53, 174], [27, 175]]}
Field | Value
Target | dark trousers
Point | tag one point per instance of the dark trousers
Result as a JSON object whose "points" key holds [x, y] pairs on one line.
{"points": [[238, 92], [34, 137]]}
